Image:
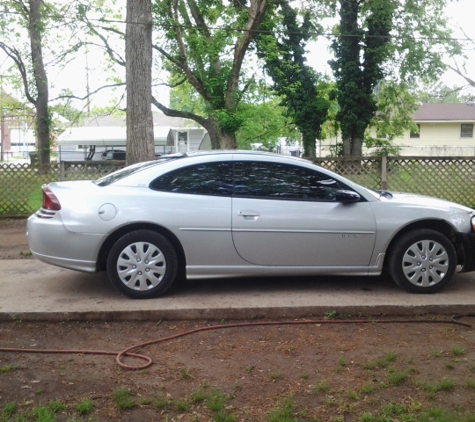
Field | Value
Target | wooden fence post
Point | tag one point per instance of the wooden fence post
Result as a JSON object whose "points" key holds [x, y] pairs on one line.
{"points": [[62, 171], [384, 173]]}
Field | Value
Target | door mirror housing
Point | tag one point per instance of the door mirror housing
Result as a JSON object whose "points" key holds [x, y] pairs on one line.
{"points": [[343, 195]]}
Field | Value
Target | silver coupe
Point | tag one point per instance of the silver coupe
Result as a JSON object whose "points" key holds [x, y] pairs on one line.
{"points": [[240, 213]]}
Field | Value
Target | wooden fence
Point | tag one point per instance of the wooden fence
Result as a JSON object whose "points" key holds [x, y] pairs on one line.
{"points": [[451, 178]]}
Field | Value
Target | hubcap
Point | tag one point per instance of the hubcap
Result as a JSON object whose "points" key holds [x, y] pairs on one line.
{"points": [[425, 263], [141, 266]]}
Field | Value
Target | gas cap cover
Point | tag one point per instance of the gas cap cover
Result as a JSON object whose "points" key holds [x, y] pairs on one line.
{"points": [[107, 212]]}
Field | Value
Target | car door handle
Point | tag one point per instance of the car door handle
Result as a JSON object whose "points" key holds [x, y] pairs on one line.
{"points": [[249, 215]]}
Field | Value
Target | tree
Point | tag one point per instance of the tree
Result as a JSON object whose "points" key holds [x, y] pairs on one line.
{"points": [[360, 54], [138, 55], [33, 14], [262, 116], [377, 39], [264, 122], [206, 45], [301, 88]]}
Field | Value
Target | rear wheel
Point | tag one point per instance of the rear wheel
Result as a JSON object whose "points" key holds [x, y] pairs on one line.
{"points": [[422, 261], [142, 264]]}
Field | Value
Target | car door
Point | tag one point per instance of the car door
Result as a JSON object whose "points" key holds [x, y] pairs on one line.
{"points": [[195, 204], [288, 215]]}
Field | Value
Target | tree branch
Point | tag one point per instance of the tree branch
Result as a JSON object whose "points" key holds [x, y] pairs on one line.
{"points": [[460, 73], [62, 97], [16, 57], [177, 113], [256, 15]]}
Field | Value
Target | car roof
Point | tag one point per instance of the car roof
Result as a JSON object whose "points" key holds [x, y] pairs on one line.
{"points": [[242, 152]]}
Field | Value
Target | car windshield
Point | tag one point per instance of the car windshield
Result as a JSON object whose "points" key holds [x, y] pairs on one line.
{"points": [[134, 168]]}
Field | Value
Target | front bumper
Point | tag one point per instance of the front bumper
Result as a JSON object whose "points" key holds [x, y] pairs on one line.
{"points": [[468, 243]]}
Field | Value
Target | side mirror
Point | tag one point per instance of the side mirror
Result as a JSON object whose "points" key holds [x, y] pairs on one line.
{"points": [[346, 196]]}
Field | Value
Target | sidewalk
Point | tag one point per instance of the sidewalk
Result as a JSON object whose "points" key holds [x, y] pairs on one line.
{"points": [[32, 290]]}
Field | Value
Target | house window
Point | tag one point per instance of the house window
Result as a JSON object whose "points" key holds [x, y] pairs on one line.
{"points": [[466, 130], [183, 137], [416, 134]]}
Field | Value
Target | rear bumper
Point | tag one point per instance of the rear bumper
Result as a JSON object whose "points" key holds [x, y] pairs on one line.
{"points": [[468, 242], [52, 243]]}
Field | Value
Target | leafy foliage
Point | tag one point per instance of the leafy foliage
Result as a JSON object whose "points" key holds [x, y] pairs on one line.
{"points": [[400, 41], [200, 46], [303, 91]]}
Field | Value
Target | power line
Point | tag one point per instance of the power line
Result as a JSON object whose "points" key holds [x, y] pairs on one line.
{"points": [[267, 32]]}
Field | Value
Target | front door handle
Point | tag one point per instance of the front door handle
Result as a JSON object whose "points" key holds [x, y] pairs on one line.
{"points": [[249, 215]]}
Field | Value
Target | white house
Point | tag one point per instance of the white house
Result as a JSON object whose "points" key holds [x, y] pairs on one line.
{"points": [[443, 130], [105, 137]]}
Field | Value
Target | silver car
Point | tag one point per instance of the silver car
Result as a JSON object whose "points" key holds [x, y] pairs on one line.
{"points": [[241, 213]]}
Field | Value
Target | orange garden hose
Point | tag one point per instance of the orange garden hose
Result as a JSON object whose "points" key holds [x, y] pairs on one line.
{"points": [[128, 352]]}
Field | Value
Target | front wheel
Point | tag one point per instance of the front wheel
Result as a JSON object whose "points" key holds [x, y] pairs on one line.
{"points": [[422, 261], [142, 264]]}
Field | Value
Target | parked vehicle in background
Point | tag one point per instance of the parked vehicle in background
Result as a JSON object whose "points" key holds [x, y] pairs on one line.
{"points": [[113, 154], [242, 213]]}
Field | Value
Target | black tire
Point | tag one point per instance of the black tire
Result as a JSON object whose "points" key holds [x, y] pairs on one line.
{"points": [[422, 261], [142, 264]]}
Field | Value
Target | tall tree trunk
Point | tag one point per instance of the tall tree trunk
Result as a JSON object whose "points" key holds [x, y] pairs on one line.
{"points": [[43, 121], [357, 147], [227, 141], [138, 69], [309, 148], [347, 146]]}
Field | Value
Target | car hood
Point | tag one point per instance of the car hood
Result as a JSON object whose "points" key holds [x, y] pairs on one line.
{"points": [[423, 201]]}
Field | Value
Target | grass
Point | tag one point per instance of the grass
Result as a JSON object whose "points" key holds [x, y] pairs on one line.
{"points": [[458, 351], [415, 413], [216, 403], [321, 387], [443, 385], [283, 413], [122, 399], [397, 378], [7, 368], [85, 406]]}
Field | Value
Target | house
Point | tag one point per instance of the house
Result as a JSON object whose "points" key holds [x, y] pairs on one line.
{"points": [[443, 130], [104, 137], [17, 135]]}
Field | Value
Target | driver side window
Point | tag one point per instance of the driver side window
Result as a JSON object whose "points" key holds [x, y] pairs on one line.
{"points": [[283, 181]]}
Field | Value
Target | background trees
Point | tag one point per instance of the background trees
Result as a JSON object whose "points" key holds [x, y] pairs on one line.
{"points": [[211, 56], [401, 41], [33, 16], [302, 90], [206, 46]]}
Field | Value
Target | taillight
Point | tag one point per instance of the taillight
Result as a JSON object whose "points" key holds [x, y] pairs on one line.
{"points": [[50, 202]]}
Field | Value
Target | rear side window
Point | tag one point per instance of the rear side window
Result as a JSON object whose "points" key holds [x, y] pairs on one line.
{"points": [[200, 179]]}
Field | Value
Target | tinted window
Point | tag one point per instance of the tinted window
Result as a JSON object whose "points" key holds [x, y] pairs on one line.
{"points": [[282, 181], [201, 179]]}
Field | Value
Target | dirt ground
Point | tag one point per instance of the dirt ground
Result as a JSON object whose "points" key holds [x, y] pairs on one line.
{"points": [[13, 243], [337, 369]]}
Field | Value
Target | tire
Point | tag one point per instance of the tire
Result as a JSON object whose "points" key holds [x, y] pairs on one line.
{"points": [[422, 261], [142, 264]]}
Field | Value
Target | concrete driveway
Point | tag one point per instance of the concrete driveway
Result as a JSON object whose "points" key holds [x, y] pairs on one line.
{"points": [[32, 290]]}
